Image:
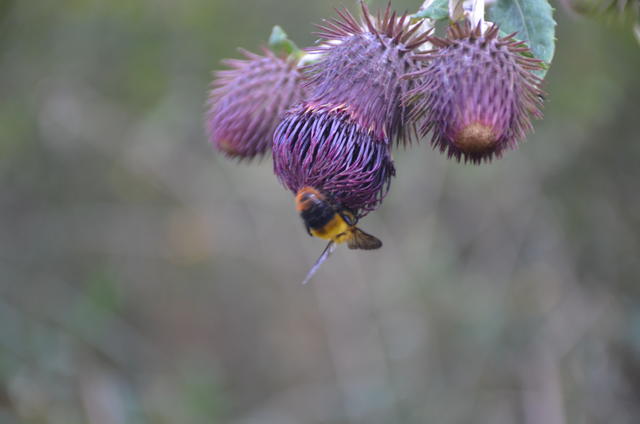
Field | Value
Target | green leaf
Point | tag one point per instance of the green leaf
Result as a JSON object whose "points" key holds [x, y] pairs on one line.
{"points": [[280, 44], [437, 11], [532, 20]]}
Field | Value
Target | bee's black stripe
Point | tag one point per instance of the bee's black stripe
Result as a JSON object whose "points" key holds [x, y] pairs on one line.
{"points": [[318, 215]]}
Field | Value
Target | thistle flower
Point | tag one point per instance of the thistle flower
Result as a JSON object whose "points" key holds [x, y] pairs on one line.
{"points": [[362, 65], [477, 93], [325, 149], [338, 141], [248, 101]]}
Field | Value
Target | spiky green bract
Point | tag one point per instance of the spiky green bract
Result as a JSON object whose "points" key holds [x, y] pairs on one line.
{"points": [[248, 100], [326, 149], [361, 65], [477, 93]]}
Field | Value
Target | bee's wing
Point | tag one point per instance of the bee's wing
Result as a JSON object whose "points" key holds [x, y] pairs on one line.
{"points": [[323, 257], [361, 240]]}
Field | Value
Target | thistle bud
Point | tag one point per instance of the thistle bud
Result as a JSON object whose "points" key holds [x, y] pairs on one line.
{"points": [[477, 93], [338, 141], [361, 66], [248, 101]]}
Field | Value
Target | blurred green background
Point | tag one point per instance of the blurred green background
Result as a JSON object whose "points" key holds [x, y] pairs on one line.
{"points": [[146, 279]]}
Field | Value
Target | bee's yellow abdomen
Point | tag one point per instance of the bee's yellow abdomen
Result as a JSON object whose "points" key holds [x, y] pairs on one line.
{"points": [[336, 229]]}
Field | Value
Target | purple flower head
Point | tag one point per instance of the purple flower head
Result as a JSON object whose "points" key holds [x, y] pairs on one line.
{"points": [[477, 93], [324, 148], [248, 101], [361, 65], [338, 141]]}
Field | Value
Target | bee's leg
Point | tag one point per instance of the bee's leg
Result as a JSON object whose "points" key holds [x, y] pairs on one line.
{"points": [[342, 237], [306, 227]]}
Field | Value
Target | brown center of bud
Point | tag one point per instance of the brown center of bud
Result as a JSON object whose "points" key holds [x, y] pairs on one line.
{"points": [[228, 147], [475, 138]]}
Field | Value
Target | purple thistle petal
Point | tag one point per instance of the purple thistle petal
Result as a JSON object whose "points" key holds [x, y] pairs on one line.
{"points": [[326, 149]]}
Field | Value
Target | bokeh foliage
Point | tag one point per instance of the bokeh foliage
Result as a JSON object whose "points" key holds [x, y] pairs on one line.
{"points": [[144, 279]]}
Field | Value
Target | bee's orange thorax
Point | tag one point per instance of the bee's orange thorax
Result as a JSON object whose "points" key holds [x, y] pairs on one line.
{"points": [[306, 196]]}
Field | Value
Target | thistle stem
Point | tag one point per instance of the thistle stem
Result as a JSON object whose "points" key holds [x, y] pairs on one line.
{"points": [[476, 15], [471, 10], [425, 5], [426, 24]]}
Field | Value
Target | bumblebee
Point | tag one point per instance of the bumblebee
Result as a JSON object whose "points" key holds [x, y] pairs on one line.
{"points": [[325, 219]]}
